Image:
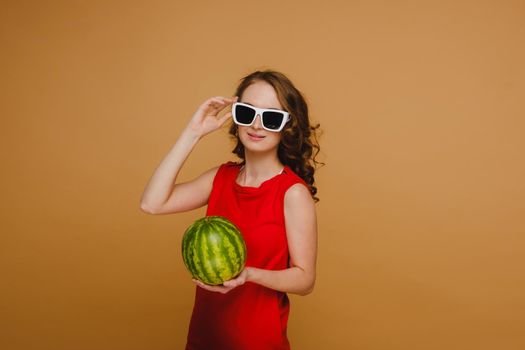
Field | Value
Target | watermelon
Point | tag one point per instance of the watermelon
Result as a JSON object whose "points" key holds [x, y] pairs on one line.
{"points": [[213, 250]]}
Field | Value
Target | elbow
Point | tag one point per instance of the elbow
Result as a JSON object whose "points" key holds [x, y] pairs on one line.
{"points": [[309, 288], [146, 209], [308, 291]]}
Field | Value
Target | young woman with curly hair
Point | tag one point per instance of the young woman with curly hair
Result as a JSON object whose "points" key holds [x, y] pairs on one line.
{"points": [[270, 195]]}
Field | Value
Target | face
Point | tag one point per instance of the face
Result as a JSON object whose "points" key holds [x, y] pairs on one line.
{"points": [[254, 137]]}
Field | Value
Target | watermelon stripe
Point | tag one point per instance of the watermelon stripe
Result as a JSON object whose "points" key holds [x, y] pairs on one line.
{"points": [[198, 256], [205, 256], [199, 248], [240, 246], [199, 262], [193, 248], [211, 260], [190, 251], [229, 252], [235, 237], [186, 252], [227, 270]]}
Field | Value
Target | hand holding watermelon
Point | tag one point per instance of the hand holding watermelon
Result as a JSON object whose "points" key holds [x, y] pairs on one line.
{"points": [[227, 285], [214, 251]]}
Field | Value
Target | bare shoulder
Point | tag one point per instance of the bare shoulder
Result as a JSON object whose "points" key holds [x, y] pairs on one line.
{"points": [[298, 193]]}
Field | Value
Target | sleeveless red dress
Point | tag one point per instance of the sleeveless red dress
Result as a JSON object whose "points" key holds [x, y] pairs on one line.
{"points": [[251, 316]]}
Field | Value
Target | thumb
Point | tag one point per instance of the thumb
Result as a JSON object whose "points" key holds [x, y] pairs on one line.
{"points": [[227, 283], [230, 283], [225, 117]]}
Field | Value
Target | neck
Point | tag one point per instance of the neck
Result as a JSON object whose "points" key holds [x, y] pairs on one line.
{"points": [[261, 166]]}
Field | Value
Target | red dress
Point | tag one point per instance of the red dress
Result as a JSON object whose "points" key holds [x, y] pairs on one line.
{"points": [[250, 316]]}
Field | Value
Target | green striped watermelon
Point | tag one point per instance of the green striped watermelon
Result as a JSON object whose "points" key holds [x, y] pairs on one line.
{"points": [[213, 250]]}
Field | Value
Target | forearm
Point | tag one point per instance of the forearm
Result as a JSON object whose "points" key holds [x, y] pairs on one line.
{"points": [[292, 280], [163, 179]]}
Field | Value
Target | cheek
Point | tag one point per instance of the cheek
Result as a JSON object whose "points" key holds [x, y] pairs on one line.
{"points": [[241, 133], [277, 137], [274, 139]]}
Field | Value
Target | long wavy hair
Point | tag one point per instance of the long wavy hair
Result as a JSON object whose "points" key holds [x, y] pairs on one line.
{"points": [[299, 144]]}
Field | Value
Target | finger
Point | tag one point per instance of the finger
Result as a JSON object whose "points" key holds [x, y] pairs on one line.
{"points": [[214, 288], [229, 283], [230, 100], [219, 99], [226, 100], [212, 103], [199, 283], [218, 104], [233, 282], [208, 287], [224, 118]]}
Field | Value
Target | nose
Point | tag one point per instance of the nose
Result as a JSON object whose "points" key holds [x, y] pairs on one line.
{"points": [[257, 122]]}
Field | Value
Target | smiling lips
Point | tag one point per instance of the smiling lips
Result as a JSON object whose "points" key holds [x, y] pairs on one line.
{"points": [[255, 136]]}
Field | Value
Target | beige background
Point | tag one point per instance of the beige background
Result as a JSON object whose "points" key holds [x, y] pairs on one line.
{"points": [[421, 218]]}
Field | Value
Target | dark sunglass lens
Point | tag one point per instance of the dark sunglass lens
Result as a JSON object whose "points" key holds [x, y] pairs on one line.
{"points": [[272, 120], [244, 114]]}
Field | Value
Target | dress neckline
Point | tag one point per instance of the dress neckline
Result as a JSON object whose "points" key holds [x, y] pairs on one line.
{"points": [[251, 189]]}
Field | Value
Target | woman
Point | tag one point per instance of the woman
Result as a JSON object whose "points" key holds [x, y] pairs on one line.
{"points": [[269, 195]]}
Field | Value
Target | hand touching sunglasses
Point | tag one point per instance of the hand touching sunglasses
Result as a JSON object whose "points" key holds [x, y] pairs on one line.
{"points": [[271, 119]]}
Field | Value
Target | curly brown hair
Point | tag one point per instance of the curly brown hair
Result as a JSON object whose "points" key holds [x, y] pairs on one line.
{"points": [[298, 147]]}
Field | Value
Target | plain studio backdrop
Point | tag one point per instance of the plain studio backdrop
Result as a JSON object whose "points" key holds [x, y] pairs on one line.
{"points": [[421, 218]]}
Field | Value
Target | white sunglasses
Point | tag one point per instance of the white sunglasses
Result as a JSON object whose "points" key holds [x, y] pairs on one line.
{"points": [[271, 119]]}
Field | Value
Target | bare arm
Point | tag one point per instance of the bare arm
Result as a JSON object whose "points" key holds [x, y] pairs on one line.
{"points": [[301, 231], [162, 194]]}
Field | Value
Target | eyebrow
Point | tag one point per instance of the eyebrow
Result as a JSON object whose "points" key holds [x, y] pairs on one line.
{"points": [[248, 103]]}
